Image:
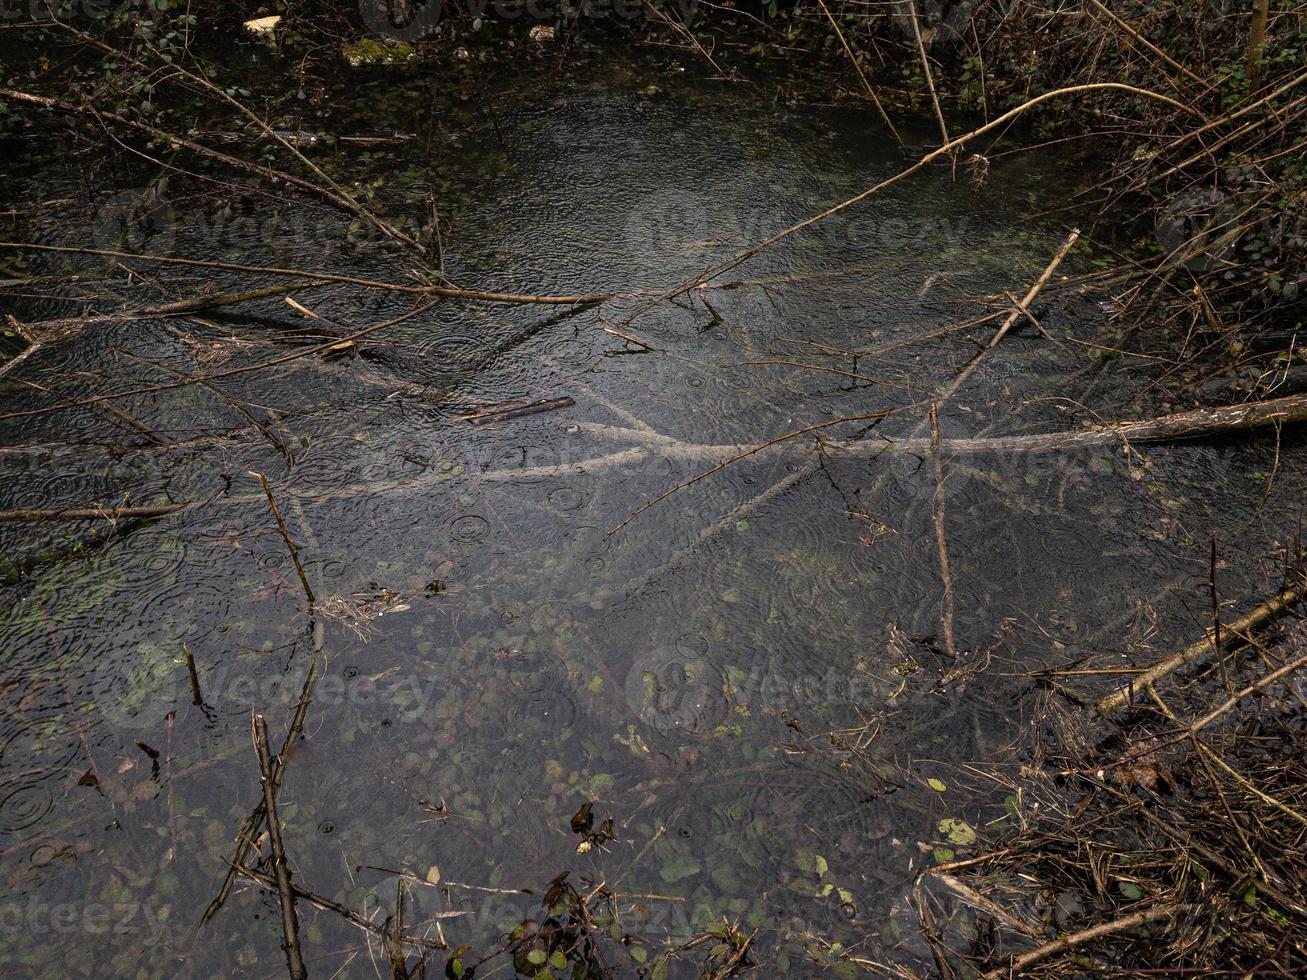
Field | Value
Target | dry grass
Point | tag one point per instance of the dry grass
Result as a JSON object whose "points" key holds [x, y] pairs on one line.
{"points": [[1160, 845]]}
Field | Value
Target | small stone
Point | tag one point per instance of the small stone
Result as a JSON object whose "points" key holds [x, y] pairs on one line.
{"points": [[263, 26]]}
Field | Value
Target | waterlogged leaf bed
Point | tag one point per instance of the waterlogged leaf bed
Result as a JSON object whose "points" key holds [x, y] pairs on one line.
{"points": [[749, 679]]}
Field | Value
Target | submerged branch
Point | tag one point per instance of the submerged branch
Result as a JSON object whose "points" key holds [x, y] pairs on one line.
{"points": [[654, 445], [426, 289], [1209, 645]]}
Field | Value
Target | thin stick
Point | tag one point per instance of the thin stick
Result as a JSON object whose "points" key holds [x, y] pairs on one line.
{"points": [[1083, 936], [925, 67], [520, 411], [424, 290], [1267, 612], [633, 340], [285, 536], [1253, 688], [236, 406], [196, 697], [92, 513], [355, 206], [230, 372], [1015, 315], [714, 271], [941, 539], [742, 455], [289, 921], [120, 417], [1148, 44], [866, 85], [43, 329]]}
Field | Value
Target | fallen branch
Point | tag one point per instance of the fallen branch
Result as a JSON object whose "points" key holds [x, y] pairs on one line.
{"points": [[646, 445], [327, 905], [1265, 613], [1066, 942], [37, 515], [289, 921], [43, 331], [445, 292], [1182, 425]]}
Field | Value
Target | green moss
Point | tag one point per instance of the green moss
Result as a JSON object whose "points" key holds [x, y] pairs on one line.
{"points": [[372, 51]]}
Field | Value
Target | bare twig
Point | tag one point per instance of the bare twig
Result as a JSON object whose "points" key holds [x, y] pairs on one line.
{"points": [[285, 536], [444, 292], [941, 538], [1062, 943], [1265, 613], [866, 85], [289, 920]]}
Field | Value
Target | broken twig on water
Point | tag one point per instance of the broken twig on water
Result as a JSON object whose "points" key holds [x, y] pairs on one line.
{"points": [[1267, 612], [285, 536], [289, 920]]}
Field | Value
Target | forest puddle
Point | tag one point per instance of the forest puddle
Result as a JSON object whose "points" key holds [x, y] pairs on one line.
{"points": [[749, 678]]}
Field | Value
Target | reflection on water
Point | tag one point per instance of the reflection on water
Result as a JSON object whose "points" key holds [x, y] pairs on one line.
{"points": [[747, 678]]}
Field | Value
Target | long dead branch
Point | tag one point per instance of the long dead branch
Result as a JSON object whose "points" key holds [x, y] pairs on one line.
{"points": [[1182, 425], [1265, 613], [648, 445], [289, 920], [1063, 943], [343, 203], [445, 292]]}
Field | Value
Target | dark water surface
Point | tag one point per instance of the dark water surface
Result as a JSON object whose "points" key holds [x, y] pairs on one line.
{"points": [[749, 678]]}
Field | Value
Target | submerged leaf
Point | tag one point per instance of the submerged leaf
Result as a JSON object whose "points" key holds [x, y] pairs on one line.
{"points": [[957, 831]]}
